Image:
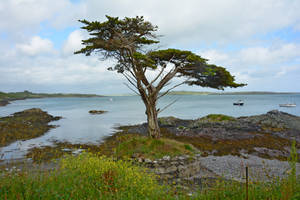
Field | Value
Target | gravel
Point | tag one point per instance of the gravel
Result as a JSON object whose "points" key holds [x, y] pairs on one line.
{"points": [[233, 167]]}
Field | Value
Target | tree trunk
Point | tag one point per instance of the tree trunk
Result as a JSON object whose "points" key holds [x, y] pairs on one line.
{"points": [[153, 128]]}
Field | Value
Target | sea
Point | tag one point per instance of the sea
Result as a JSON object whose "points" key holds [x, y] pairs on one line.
{"points": [[78, 126]]}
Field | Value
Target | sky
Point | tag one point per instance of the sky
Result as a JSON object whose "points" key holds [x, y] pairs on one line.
{"points": [[257, 41]]}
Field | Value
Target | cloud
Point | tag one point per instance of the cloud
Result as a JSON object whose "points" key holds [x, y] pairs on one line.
{"points": [[35, 46], [273, 55], [207, 27], [73, 43], [22, 18], [254, 65], [193, 21]]}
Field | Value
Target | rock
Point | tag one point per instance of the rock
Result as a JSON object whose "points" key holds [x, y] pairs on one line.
{"points": [[97, 112], [66, 150], [77, 151], [166, 158], [25, 125], [4, 102]]}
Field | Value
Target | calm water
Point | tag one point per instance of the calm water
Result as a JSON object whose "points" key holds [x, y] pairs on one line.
{"points": [[78, 126]]}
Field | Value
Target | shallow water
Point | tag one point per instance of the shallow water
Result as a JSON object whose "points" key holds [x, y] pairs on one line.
{"points": [[78, 126]]}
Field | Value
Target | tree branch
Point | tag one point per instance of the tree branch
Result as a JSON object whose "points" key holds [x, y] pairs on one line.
{"points": [[132, 89], [159, 111], [166, 79], [130, 80], [166, 92]]}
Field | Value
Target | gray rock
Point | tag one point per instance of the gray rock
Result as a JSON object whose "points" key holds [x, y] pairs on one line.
{"points": [[166, 158]]}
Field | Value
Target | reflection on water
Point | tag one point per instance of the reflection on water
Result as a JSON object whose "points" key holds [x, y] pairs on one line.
{"points": [[78, 126]]}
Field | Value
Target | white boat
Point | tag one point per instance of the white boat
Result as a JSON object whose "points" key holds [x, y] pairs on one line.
{"points": [[288, 105], [238, 103]]}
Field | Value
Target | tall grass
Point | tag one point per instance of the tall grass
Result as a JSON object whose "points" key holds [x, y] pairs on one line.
{"points": [[84, 177], [88, 176]]}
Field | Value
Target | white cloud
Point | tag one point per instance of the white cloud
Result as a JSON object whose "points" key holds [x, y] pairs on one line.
{"points": [[266, 56], [200, 25], [193, 21], [254, 64], [35, 46], [20, 18], [73, 43], [214, 56]]}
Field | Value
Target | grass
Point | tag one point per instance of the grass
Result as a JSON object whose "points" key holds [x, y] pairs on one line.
{"points": [[89, 176], [217, 118], [118, 146], [153, 148], [85, 177]]}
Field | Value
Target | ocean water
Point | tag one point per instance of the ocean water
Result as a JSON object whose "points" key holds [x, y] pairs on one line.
{"points": [[78, 126]]}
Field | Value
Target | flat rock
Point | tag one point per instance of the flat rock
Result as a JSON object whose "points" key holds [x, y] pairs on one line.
{"points": [[97, 112]]}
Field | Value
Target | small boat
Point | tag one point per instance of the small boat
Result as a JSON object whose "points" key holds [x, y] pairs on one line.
{"points": [[287, 105], [238, 103]]}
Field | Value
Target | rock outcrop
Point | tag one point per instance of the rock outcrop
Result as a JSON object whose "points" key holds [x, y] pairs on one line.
{"points": [[268, 135], [97, 112]]}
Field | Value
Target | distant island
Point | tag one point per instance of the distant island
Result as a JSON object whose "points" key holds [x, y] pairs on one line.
{"points": [[5, 98], [227, 93]]}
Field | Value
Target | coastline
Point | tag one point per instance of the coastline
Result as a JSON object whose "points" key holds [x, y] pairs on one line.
{"points": [[215, 160], [6, 98]]}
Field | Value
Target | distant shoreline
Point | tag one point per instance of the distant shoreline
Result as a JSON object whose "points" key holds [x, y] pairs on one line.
{"points": [[229, 93], [6, 98]]}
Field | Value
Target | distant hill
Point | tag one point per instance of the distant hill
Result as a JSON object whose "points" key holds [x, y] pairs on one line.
{"points": [[189, 93], [227, 93], [11, 96]]}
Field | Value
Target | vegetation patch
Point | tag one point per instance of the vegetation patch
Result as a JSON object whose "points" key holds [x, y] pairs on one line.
{"points": [[146, 147], [90, 176], [118, 146], [24, 125], [207, 145], [86, 176], [217, 118]]}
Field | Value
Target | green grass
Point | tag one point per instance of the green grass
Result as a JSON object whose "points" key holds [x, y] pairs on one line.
{"points": [[217, 118], [84, 177], [117, 146], [89, 176], [152, 148]]}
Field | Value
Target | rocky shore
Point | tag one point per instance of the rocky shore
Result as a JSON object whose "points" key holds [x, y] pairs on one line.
{"points": [[3, 102], [226, 145], [268, 135], [24, 125]]}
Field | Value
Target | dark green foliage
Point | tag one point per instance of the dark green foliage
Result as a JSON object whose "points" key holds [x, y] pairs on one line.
{"points": [[195, 68]]}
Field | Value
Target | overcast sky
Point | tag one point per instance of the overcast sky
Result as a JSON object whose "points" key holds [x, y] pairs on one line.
{"points": [[257, 41]]}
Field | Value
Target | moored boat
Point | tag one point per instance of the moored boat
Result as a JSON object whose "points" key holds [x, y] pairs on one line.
{"points": [[287, 105], [238, 103]]}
